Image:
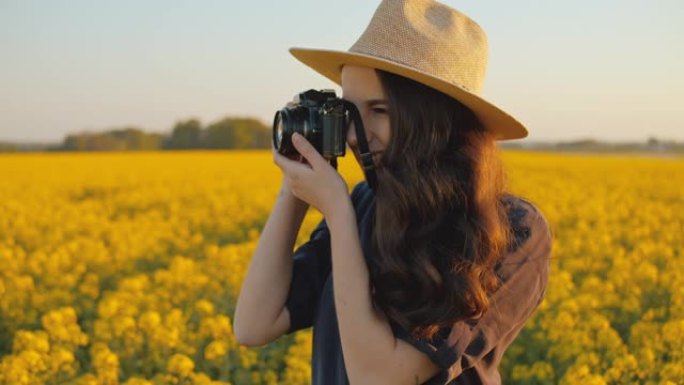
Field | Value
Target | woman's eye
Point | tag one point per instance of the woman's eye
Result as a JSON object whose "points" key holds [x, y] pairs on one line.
{"points": [[379, 110]]}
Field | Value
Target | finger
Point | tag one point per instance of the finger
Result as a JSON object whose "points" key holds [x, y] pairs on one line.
{"points": [[295, 156], [279, 159], [290, 166], [307, 151]]}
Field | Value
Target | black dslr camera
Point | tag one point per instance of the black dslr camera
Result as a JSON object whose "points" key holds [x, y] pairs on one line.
{"points": [[320, 117], [323, 119]]}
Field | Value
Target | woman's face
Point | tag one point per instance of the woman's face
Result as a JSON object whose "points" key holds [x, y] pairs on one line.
{"points": [[361, 86]]}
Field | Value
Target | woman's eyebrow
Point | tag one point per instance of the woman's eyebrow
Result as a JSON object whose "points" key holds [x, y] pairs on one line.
{"points": [[370, 102], [373, 102]]}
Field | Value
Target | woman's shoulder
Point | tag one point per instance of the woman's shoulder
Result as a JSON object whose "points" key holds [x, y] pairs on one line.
{"points": [[529, 225], [361, 192], [524, 269], [519, 206], [361, 188]]}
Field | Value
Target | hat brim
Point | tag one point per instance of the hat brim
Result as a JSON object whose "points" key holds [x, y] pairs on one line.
{"points": [[329, 64]]}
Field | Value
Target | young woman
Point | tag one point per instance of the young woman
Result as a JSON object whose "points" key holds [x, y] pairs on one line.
{"points": [[428, 277]]}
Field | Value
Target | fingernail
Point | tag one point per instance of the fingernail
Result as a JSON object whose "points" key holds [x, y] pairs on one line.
{"points": [[296, 137]]}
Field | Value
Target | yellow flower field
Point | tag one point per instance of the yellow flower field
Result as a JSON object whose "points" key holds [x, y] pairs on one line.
{"points": [[123, 268]]}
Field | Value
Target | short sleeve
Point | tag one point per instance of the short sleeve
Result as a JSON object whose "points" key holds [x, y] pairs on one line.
{"points": [[466, 344], [311, 266]]}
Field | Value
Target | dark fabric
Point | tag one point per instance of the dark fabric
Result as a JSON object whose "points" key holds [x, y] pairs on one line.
{"points": [[468, 352]]}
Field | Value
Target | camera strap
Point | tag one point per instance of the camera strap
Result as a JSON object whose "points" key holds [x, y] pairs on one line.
{"points": [[366, 157]]}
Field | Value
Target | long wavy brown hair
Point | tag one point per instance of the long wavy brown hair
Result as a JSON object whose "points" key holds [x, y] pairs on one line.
{"points": [[440, 226]]}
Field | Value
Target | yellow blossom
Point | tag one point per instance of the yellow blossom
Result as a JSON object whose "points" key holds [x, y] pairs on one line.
{"points": [[141, 256], [180, 365], [215, 350]]}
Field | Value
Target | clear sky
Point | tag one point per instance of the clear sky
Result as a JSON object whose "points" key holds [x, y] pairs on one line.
{"points": [[606, 69]]}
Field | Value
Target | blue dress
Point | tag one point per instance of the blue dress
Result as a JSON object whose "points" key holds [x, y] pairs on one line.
{"points": [[468, 352]]}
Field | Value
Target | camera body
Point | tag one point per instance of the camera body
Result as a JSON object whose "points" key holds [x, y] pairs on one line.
{"points": [[319, 116]]}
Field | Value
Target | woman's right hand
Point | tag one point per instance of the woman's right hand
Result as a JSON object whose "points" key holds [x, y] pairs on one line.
{"points": [[285, 190], [286, 193]]}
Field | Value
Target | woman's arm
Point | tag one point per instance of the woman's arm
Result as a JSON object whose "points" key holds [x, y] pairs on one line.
{"points": [[264, 290], [372, 355]]}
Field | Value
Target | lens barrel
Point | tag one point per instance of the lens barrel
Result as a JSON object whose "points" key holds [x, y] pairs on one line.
{"points": [[285, 123], [319, 117]]}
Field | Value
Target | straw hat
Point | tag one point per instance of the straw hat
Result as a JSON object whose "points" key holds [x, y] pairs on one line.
{"points": [[430, 43]]}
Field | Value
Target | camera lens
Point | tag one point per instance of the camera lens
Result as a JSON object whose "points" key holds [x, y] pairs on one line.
{"points": [[285, 123], [278, 133]]}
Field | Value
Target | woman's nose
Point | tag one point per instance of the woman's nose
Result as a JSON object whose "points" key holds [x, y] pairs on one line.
{"points": [[351, 136]]}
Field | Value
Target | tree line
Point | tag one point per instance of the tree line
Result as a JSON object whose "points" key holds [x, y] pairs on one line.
{"points": [[228, 133]]}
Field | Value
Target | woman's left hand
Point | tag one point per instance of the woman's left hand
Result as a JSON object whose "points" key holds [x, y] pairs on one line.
{"points": [[317, 182]]}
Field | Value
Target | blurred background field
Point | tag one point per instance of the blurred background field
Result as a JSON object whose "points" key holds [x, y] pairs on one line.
{"points": [[123, 268]]}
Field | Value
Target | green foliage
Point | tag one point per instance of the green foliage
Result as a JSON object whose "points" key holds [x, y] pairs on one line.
{"points": [[8, 147], [237, 133], [114, 140], [185, 135], [227, 133]]}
